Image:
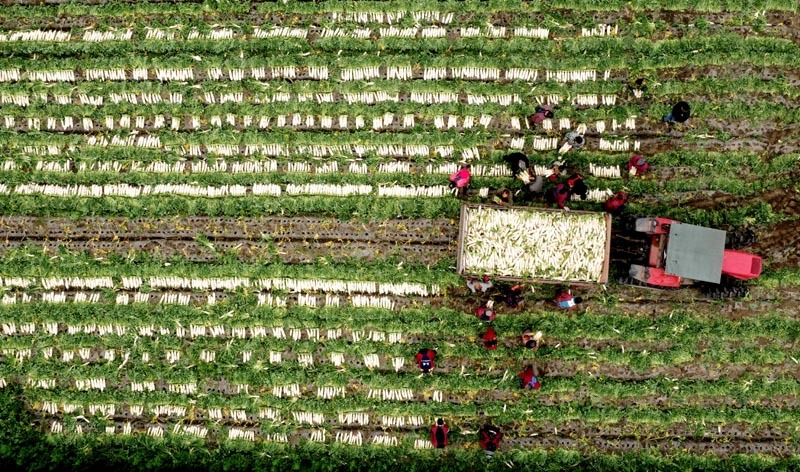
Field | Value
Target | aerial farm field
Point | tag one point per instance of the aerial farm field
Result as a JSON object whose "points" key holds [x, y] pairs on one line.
{"points": [[226, 230]]}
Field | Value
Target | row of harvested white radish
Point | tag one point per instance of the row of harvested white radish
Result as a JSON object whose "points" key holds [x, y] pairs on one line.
{"points": [[391, 17], [113, 35], [611, 172], [308, 418], [190, 430], [237, 433], [595, 195], [618, 145], [328, 393], [292, 72], [571, 75], [402, 421], [349, 437], [37, 35], [394, 394], [184, 389], [234, 283], [196, 331], [601, 29], [91, 383], [289, 391], [132, 140], [279, 150]]}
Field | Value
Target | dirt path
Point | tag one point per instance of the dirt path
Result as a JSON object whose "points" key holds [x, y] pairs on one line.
{"points": [[290, 240]]}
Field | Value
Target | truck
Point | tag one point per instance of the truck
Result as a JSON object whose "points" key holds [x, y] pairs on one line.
{"points": [[575, 247], [684, 254]]}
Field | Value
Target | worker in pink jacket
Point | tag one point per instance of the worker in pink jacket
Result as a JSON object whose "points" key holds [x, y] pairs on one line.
{"points": [[544, 112], [460, 180]]}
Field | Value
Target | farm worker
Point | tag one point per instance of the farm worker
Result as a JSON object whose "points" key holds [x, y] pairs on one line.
{"points": [[680, 113], [559, 196], [503, 197], [483, 284], [529, 380], [512, 295], [517, 162], [637, 165], [572, 141], [489, 438], [439, 433], [486, 312], [460, 180], [564, 299], [489, 339], [616, 203], [542, 113], [530, 340], [426, 360], [638, 87], [556, 168], [577, 186], [532, 184]]}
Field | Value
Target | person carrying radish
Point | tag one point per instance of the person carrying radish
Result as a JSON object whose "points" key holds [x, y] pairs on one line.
{"points": [[532, 341], [439, 433], [529, 380], [573, 141], [460, 180], [489, 438], [615, 205], [489, 339], [482, 284], [504, 198], [426, 360], [565, 300], [486, 312], [637, 165], [542, 112]]}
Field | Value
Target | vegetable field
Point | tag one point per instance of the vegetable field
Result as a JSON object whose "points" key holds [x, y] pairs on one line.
{"points": [[226, 230]]}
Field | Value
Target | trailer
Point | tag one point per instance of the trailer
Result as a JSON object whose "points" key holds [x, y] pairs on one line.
{"points": [[534, 244]]}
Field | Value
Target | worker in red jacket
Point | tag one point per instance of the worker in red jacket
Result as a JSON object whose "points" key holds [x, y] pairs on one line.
{"points": [[489, 438], [439, 433], [489, 339], [577, 186], [564, 299], [486, 311], [637, 165], [426, 360], [512, 295], [616, 203], [559, 196], [460, 180], [529, 380]]}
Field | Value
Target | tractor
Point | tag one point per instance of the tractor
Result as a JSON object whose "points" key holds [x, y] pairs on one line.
{"points": [[682, 254]]}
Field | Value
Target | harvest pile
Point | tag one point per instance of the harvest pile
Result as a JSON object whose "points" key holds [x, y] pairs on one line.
{"points": [[524, 244], [226, 229]]}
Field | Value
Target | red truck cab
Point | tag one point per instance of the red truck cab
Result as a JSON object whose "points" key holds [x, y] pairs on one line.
{"points": [[681, 253]]}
